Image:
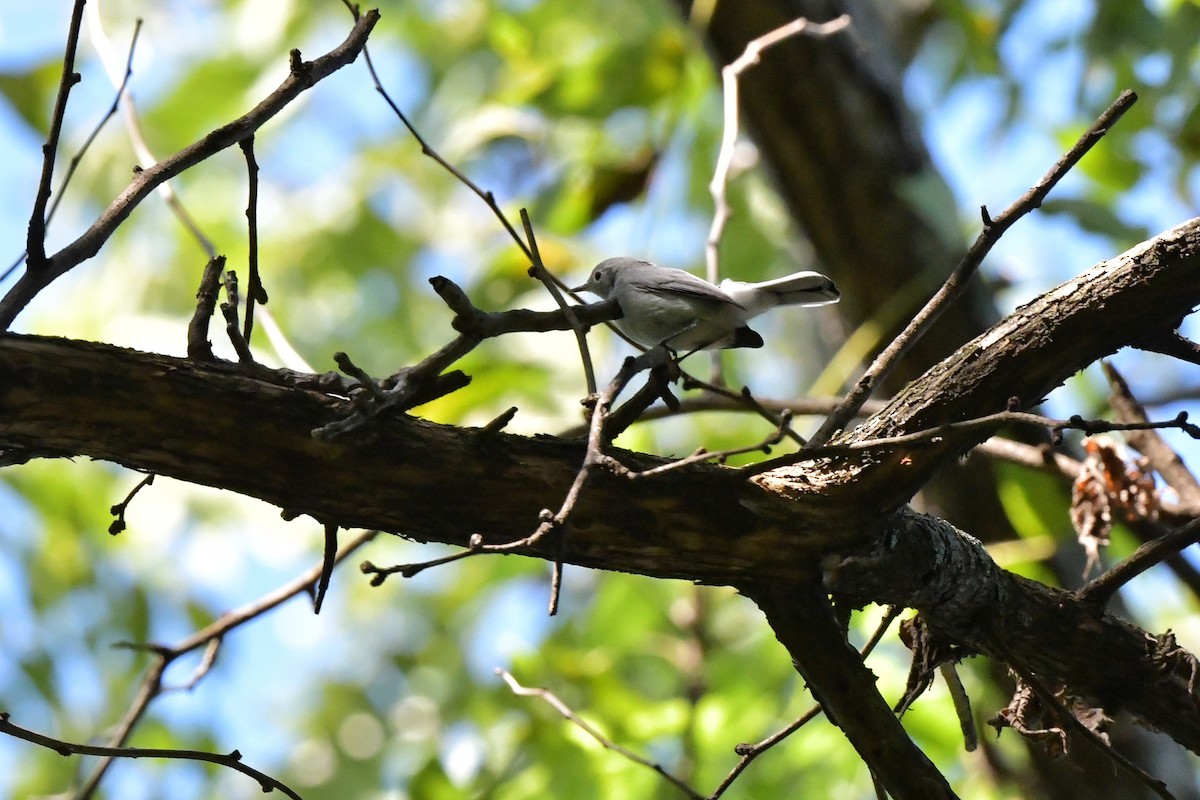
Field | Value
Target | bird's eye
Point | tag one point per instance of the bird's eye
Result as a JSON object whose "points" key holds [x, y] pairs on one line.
{"points": [[596, 276]]}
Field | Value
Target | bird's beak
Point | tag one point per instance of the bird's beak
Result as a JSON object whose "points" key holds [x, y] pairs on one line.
{"points": [[578, 289]]}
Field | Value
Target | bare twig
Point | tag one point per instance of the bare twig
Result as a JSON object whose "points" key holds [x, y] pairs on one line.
{"points": [[550, 522], [209, 638], [656, 387], [118, 510], [538, 270], [380, 574], [1101, 589], [1165, 461], [35, 241], [562, 708], [932, 436], [730, 75], [424, 381], [255, 293], [229, 310], [358, 373], [329, 556], [303, 75], [744, 398], [993, 229], [133, 126], [1049, 699], [749, 752], [962, 704], [73, 165], [501, 421], [700, 455], [232, 760], [488, 197], [198, 345], [724, 400]]}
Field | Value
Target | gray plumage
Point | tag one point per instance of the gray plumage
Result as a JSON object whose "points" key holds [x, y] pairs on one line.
{"points": [[675, 308]]}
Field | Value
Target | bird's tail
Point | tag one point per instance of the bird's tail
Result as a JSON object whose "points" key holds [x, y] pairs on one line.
{"points": [[799, 288]]}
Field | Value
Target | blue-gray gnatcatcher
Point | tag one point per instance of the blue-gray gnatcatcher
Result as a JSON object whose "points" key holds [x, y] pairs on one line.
{"points": [[677, 309]]}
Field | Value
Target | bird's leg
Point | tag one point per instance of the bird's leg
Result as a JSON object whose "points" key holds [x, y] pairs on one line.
{"points": [[680, 332]]}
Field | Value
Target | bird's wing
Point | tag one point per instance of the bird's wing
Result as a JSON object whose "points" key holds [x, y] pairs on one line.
{"points": [[667, 282]]}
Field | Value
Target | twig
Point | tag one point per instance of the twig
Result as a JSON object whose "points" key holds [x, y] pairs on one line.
{"points": [[745, 399], [565, 710], [380, 574], [358, 373], [749, 752], [888, 618], [207, 660], [229, 310], [76, 159], [933, 436], [730, 75], [198, 345], [550, 522], [488, 197], [209, 638], [720, 399], [1174, 345], [501, 421], [1071, 721], [35, 241], [1101, 589], [328, 561], [255, 293], [700, 455], [137, 139], [962, 705], [424, 381], [656, 387], [1165, 461], [232, 760], [538, 270], [118, 510], [993, 229], [303, 75]]}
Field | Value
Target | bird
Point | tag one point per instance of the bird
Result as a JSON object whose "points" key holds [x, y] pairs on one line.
{"points": [[674, 308]]}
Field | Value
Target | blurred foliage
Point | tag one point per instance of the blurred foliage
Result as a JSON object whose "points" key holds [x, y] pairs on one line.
{"points": [[603, 119]]}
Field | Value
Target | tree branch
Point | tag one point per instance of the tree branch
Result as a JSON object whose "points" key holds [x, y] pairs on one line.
{"points": [[303, 75], [205, 423], [803, 621]]}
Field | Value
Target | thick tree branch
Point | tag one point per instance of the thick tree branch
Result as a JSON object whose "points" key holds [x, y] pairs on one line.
{"points": [[249, 431], [1022, 358], [966, 599], [803, 621]]}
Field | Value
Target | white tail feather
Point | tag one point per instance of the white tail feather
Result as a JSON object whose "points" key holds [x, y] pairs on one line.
{"points": [[799, 288]]}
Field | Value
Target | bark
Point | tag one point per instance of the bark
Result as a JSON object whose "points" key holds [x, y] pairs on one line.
{"points": [[831, 122], [848, 158], [803, 622], [971, 603], [250, 430]]}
